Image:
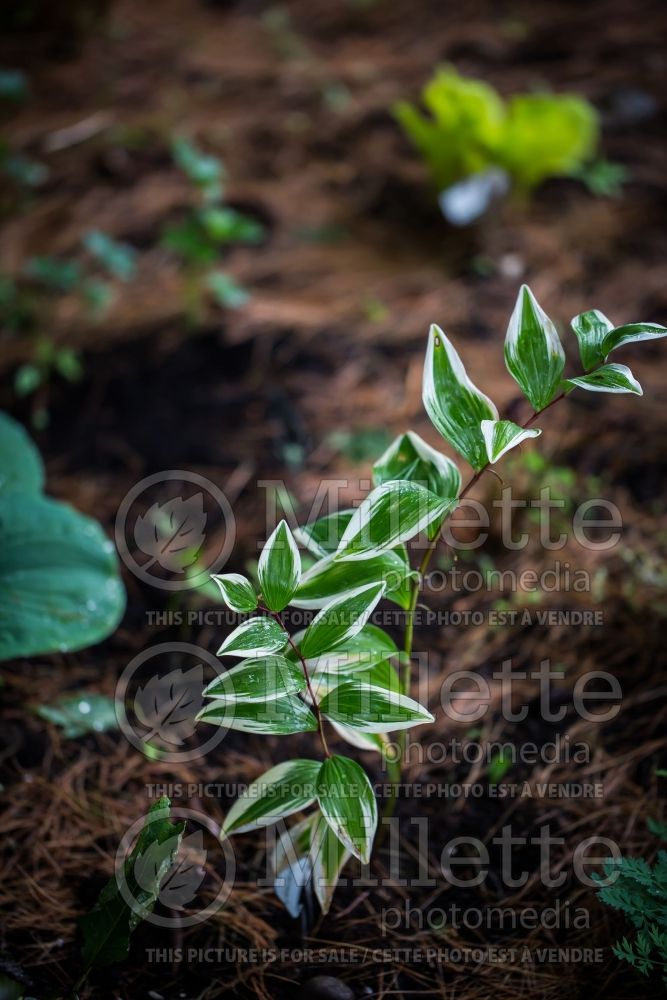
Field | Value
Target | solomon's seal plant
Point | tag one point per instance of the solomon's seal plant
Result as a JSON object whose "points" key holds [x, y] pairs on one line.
{"points": [[343, 677]]}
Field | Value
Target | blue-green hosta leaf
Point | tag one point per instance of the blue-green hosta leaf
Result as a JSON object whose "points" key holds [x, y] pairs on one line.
{"points": [[255, 637], [279, 568], [390, 514], [279, 717], [533, 352], [590, 329], [340, 620], [60, 589], [107, 928], [281, 791], [410, 457], [347, 800], [328, 856], [608, 378], [456, 406], [237, 592], [331, 578], [372, 709], [259, 680], [323, 536], [21, 466], [631, 333], [501, 435]]}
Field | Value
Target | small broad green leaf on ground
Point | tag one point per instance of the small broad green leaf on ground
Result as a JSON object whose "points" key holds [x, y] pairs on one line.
{"points": [[107, 928], [347, 800], [390, 514], [410, 457], [81, 713], [323, 536], [225, 290], [60, 588], [237, 591], [258, 680], [328, 855], [456, 406], [255, 637], [119, 259], [331, 578], [279, 717], [632, 333], [608, 378], [372, 709], [590, 329], [21, 466], [533, 352], [502, 435], [279, 568], [281, 791], [340, 620]]}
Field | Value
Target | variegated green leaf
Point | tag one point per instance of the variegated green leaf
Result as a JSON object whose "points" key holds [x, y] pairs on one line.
{"points": [[255, 637], [277, 718], [608, 378], [340, 620], [328, 856], [456, 406], [632, 333], [410, 457], [331, 578], [533, 352], [372, 709], [502, 435], [258, 680], [237, 592], [590, 329], [279, 568], [390, 514], [371, 742], [347, 800], [322, 536], [281, 791]]}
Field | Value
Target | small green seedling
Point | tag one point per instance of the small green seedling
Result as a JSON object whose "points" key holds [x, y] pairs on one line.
{"points": [[477, 146], [60, 586], [208, 228], [25, 307], [342, 676], [639, 890]]}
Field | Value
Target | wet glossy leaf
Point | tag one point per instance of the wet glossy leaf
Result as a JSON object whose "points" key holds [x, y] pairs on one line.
{"points": [[60, 587], [456, 406], [279, 568], [259, 680], [359, 705], [331, 578], [390, 514], [107, 928], [340, 620], [323, 536], [533, 352], [21, 466], [255, 637], [608, 378], [237, 591], [590, 329], [78, 714], [281, 791], [347, 800], [410, 457], [502, 435], [279, 717]]}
